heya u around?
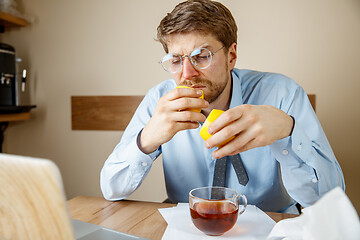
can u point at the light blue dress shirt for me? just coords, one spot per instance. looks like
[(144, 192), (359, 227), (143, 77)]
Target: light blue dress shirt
[(299, 168)]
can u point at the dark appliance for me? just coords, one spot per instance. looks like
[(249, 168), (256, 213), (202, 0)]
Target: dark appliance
[(7, 75), (14, 93)]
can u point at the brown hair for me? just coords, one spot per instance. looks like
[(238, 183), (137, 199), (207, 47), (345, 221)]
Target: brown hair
[(202, 16)]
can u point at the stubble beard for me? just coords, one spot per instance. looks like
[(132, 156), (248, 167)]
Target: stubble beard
[(212, 89), (216, 91)]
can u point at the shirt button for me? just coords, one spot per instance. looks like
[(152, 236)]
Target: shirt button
[(285, 152), (314, 180), (299, 147), (144, 164)]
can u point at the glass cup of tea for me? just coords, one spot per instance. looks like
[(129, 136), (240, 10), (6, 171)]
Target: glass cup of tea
[(214, 210)]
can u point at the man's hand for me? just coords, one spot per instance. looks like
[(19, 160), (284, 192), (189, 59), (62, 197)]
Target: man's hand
[(253, 126), (172, 115)]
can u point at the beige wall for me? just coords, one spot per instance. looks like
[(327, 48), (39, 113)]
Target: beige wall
[(107, 48)]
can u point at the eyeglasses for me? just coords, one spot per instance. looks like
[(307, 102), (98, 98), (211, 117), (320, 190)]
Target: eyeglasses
[(200, 58)]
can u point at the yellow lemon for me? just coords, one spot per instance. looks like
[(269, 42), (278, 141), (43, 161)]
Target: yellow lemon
[(214, 114), (202, 97)]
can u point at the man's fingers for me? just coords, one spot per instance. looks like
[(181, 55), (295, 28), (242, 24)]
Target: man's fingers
[(252, 144), (183, 92), (188, 116), (225, 119), (186, 125), (188, 103), (235, 146), (235, 128)]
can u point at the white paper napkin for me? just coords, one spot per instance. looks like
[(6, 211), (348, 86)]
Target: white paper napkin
[(332, 217), (252, 224)]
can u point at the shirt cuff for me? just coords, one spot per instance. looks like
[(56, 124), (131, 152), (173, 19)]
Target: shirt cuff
[(297, 144), (152, 155)]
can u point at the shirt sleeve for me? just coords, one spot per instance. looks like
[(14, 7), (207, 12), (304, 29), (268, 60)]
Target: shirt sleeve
[(127, 166), (308, 165)]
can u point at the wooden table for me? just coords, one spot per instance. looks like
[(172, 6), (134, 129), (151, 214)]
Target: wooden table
[(133, 217)]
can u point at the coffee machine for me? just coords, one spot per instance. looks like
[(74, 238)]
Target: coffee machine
[(14, 92)]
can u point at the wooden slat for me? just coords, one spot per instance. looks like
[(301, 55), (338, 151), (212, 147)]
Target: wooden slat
[(103, 112), (9, 117), (312, 98), (9, 20), (111, 112)]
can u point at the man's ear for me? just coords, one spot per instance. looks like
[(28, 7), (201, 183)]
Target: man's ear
[(232, 56)]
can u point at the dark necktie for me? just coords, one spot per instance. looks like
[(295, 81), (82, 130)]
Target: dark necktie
[(220, 170)]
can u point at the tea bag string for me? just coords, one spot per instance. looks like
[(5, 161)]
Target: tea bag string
[(220, 170)]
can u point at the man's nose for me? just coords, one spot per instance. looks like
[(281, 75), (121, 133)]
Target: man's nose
[(189, 70)]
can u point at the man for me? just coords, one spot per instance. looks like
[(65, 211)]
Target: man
[(282, 151)]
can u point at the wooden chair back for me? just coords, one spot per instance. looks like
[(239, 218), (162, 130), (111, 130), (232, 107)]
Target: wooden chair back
[(110, 112)]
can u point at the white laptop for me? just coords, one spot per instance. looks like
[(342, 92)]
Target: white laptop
[(33, 204)]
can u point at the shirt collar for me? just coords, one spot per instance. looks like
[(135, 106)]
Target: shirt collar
[(236, 95)]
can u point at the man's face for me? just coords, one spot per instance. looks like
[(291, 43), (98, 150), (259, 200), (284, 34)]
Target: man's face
[(214, 79)]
